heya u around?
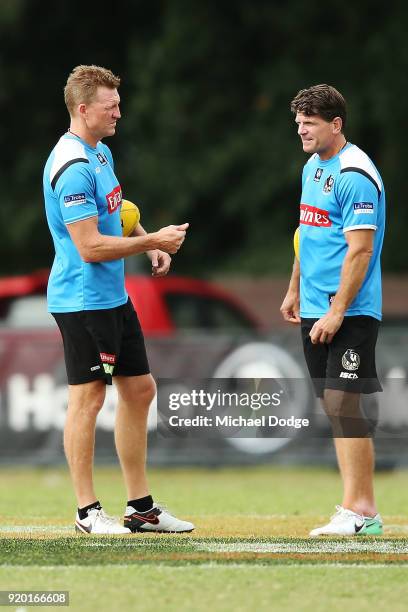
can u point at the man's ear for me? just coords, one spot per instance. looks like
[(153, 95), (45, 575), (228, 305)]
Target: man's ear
[(337, 125), (81, 110)]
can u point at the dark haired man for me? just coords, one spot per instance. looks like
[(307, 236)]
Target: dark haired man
[(335, 292)]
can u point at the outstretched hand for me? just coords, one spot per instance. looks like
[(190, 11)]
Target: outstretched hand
[(170, 238)]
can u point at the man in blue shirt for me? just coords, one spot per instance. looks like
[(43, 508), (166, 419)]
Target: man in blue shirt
[(86, 295), (335, 292)]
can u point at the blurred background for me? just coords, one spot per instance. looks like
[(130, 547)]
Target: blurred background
[(206, 136)]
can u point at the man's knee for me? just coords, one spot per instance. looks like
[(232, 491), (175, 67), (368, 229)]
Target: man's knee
[(88, 397), (138, 390), (147, 389), (346, 417)]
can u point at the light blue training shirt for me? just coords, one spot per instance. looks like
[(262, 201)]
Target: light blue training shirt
[(339, 195), (79, 182)]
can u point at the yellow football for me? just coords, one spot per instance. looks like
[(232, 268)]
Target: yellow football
[(296, 242), (129, 217)]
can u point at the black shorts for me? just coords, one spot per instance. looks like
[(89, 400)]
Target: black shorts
[(99, 344), (347, 363)]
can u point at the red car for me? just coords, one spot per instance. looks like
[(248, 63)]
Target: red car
[(164, 305)]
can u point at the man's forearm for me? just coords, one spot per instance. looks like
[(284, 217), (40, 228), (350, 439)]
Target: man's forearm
[(353, 272), (108, 248), (294, 283)]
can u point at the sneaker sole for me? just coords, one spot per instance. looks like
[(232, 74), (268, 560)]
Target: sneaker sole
[(369, 532), (83, 531), (140, 530)]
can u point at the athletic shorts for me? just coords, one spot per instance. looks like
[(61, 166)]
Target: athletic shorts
[(347, 363), (99, 344)]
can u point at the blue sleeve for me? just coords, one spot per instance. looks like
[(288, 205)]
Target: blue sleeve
[(75, 191), (358, 198)]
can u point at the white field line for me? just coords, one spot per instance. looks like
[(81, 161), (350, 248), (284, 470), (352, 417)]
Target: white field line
[(69, 529), (208, 566), (63, 529), (310, 547)]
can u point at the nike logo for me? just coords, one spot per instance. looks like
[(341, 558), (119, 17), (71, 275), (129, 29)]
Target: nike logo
[(83, 528), (359, 527), (146, 518)]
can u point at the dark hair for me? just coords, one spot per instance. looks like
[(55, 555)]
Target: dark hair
[(323, 100)]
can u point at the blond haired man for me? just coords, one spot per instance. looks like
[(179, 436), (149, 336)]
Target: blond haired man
[(87, 297)]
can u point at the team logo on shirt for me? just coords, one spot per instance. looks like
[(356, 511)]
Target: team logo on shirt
[(363, 208), (350, 360), (114, 199), (102, 159), (328, 184), (310, 215), (318, 175)]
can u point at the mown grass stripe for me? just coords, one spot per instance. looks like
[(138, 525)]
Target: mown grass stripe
[(310, 547), (212, 565)]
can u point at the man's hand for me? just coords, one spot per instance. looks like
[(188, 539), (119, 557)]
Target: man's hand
[(160, 262), (325, 328), (170, 238), (290, 308)]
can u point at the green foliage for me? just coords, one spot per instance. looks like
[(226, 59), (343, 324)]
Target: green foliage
[(206, 135)]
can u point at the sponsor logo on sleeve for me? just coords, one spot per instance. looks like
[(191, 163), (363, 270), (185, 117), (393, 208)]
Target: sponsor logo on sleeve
[(74, 200), (363, 208), (310, 215), (114, 199)]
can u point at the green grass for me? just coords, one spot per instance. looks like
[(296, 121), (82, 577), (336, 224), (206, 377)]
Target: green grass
[(219, 589), (307, 492), (250, 549)]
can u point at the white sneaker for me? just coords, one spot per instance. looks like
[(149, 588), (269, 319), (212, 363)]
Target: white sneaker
[(348, 523), (98, 522), (157, 519)]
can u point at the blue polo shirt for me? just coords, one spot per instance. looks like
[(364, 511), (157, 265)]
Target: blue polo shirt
[(339, 195), (79, 182)]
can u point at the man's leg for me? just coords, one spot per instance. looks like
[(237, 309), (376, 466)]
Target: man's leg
[(355, 455), (84, 403), (135, 396)]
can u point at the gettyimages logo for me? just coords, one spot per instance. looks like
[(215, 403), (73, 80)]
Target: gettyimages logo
[(350, 360), (310, 215)]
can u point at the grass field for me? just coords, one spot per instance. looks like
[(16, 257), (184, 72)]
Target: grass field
[(250, 549)]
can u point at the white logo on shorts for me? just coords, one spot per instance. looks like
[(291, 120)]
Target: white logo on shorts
[(350, 360), (97, 367), (351, 375)]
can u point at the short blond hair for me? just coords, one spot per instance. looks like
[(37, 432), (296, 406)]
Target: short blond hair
[(83, 83)]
